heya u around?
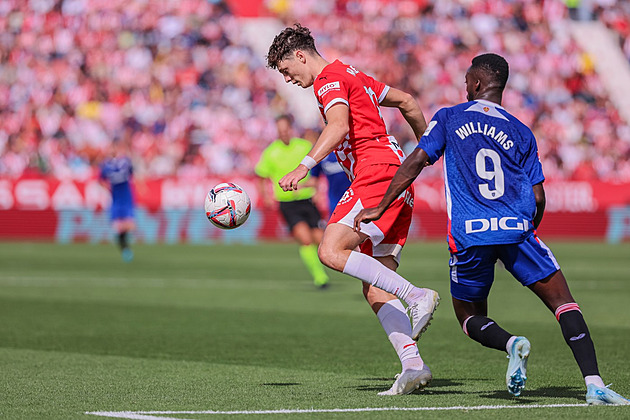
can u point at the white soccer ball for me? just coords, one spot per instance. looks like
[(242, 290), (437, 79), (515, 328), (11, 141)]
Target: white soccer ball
[(227, 206)]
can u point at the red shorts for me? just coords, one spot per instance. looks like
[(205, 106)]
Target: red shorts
[(387, 235)]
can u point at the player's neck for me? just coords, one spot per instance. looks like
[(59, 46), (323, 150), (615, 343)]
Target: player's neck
[(490, 96), (318, 65)]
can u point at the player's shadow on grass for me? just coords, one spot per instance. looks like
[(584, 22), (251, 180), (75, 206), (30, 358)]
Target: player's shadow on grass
[(545, 392), (436, 383), (280, 384)]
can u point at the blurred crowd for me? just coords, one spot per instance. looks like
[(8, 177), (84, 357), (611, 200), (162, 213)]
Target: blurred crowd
[(170, 79), (616, 15), (176, 82)]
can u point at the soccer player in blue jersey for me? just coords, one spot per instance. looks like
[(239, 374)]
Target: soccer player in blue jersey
[(116, 172), (338, 181), (495, 201)]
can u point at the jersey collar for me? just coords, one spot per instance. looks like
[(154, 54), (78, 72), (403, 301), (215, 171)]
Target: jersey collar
[(489, 103)]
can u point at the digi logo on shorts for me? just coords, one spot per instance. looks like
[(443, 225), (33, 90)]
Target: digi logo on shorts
[(327, 88), (494, 224)]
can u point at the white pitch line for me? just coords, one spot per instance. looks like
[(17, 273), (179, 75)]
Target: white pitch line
[(152, 415)]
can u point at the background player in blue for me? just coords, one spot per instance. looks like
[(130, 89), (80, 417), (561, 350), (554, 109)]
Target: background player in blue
[(495, 201), (116, 171), (338, 181)]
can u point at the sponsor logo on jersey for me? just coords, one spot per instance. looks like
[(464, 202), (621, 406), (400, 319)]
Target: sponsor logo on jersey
[(328, 87), (495, 224)]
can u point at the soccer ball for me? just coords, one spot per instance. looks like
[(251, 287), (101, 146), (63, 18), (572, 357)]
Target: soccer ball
[(227, 206)]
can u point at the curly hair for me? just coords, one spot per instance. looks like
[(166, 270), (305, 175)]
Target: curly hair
[(495, 66), (290, 39)]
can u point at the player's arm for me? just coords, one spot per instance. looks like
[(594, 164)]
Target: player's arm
[(539, 195), (408, 107), (102, 180), (405, 175), (332, 135)]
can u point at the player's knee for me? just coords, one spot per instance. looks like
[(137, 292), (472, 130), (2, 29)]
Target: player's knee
[(324, 254), (329, 257)]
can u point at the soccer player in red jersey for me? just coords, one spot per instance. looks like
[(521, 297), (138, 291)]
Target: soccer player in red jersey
[(349, 101)]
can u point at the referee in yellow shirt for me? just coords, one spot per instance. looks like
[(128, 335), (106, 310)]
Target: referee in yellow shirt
[(297, 207)]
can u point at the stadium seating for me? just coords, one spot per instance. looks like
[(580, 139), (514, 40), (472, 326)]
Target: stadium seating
[(178, 82)]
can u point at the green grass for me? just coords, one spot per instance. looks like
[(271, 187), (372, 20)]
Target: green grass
[(194, 328)]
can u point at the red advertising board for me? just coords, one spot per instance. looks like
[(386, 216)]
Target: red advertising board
[(171, 210)]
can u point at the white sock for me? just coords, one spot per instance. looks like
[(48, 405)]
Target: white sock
[(397, 326), (371, 271), (594, 379)]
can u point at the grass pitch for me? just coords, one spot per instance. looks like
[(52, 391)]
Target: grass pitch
[(195, 329)]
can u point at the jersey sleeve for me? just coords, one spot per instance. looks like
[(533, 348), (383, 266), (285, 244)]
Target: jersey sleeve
[(433, 141), (380, 89), (331, 89), (531, 161)]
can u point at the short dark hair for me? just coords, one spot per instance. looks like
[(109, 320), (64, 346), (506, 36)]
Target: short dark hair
[(287, 117), (290, 39), (495, 66)]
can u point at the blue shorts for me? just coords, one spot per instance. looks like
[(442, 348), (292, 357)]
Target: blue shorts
[(472, 269), (121, 212)]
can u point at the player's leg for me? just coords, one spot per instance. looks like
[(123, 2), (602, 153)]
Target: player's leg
[(337, 252), (298, 222), (123, 222), (317, 233), (313, 217), (554, 292), (123, 225), (533, 264), (301, 231), (472, 275), (393, 318), (122, 239), (340, 240)]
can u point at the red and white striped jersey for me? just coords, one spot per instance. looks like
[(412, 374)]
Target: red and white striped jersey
[(367, 142)]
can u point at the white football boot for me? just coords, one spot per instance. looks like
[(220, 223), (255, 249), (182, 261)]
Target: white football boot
[(516, 374), (409, 381), (421, 312)]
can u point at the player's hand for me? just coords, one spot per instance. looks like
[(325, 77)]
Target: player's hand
[(290, 181), (366, 216)]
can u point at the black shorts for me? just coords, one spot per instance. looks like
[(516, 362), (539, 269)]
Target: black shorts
[(298, 211)]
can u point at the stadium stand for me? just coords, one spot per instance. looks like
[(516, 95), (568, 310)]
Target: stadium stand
[(181, 84)]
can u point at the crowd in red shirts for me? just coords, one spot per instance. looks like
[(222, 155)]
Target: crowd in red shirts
[(177, 82)]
